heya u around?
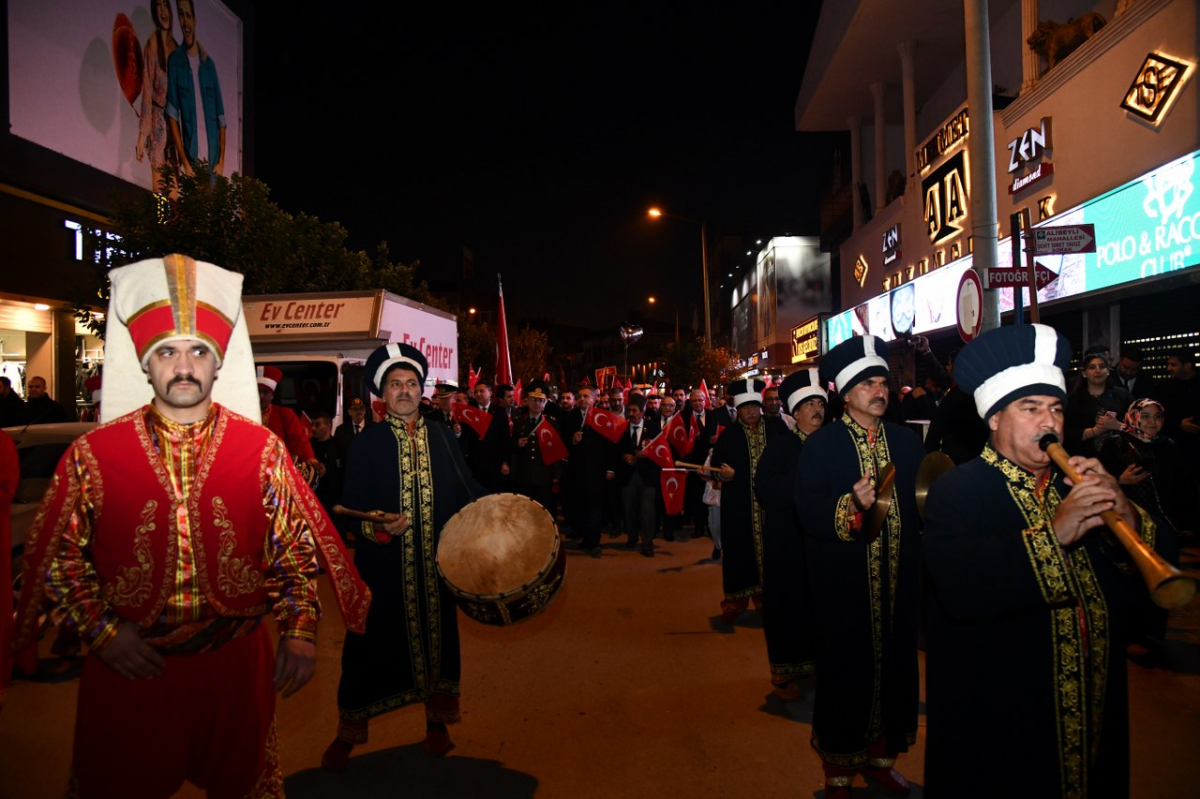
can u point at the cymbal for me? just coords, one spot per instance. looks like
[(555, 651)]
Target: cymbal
[(933, 466), (876, 515)]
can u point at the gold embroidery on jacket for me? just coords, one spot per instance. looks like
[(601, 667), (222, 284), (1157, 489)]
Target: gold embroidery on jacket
[(235, 576), (132, 583)]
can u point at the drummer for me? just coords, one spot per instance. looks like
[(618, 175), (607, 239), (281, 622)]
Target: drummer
[(410, 651), (864, 592)]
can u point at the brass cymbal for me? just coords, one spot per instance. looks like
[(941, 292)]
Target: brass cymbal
[(876, 515), (933, 466)]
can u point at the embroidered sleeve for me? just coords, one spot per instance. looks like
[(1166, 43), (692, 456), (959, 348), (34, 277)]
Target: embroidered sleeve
[(71, 579), (291, 553), (1048, 562), (847, 518)]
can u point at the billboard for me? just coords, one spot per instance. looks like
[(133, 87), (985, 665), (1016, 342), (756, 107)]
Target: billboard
[(124, 86)]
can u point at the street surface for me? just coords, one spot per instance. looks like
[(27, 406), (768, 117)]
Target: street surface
[(628, 686)]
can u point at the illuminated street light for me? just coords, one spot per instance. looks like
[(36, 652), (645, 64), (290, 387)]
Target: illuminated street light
[(656, 213), (651, 300), (471, 310)]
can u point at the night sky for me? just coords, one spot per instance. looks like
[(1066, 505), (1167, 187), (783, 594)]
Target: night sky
[(538, 136)]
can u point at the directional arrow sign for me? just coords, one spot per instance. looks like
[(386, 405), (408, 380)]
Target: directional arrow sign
[(1064, 239), (1003, 277)]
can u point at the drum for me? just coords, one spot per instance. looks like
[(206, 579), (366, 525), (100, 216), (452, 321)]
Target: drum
[(501, 558)]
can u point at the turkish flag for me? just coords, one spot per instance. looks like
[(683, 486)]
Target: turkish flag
[(477, 419), (659, 451), (517, 394), (549, 442), (606, 423), (380, 409), (472, 377), (673, 482), (679, 436), (720, 429), (704, 388)]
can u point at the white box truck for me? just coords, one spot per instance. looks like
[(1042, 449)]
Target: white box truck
[(321, 340)]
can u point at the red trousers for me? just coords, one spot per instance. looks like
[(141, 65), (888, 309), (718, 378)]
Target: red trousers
[(207, 718)]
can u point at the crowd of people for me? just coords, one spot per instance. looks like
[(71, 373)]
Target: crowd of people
[(169, 532)]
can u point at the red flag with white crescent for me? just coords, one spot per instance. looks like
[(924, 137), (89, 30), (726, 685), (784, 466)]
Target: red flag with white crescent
[(720, 429), (472, 376), (504, 376), (707, 402), (380, 409), (477, 419), (659, 451), (549, 442), (517, 395), (606, 423), (678, 435), (694, 430), (673, 482)]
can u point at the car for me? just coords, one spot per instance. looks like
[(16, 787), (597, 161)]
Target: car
[(39, 448)]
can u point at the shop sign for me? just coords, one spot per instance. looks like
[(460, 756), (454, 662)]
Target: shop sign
[(806, 340), (891, 244), (860, 271), (950, 134), (946, 199), (1029, 146), (1037, 175), (1154, 86)]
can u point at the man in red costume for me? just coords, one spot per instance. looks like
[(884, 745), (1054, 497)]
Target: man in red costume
[(166, 535), (284, 422)]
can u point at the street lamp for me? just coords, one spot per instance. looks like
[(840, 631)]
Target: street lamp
[(656, 213)]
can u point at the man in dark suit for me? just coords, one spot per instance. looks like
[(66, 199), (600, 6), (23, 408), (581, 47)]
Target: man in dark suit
[(589, 469), (707, 423), (1128, 375), (487, 456), (639, 477)]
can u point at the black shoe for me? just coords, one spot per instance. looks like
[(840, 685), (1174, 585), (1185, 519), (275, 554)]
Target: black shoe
[(594, 552), (648, 550), (669, 536), (631, 543), (716, 553)]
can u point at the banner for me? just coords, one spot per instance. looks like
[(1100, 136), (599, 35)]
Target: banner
[(549, 442), (659, 451), (606, 423), (477, 419), (673, 482)]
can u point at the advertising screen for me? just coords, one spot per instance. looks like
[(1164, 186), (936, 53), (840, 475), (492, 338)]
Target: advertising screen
[(102, 81)]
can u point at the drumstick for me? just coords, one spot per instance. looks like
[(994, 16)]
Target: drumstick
[(366, 516), (699, 467)]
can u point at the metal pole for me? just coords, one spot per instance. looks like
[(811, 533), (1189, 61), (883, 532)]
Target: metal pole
[(982, 150), (707, 304)]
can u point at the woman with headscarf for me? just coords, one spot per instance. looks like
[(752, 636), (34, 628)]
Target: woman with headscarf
[(1154, 473), (1094, 409)]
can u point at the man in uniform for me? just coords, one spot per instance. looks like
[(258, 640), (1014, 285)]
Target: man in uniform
[(736, 456), (531, 476), (411, 474), (863, 578), (787, 610), (165, 536), (1026, 660)]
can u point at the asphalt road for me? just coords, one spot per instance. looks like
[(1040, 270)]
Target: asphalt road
[(628, 686)]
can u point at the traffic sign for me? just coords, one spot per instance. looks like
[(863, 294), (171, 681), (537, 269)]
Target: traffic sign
[(969, 306), (1002, 277), (1064, 239)]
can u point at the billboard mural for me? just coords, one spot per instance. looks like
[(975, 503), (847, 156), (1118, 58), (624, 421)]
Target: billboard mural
[(126, 87)]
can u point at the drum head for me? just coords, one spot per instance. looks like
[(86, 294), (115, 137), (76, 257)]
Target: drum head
[(496, 545)]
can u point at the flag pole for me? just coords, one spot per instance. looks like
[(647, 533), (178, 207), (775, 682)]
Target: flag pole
[(503, 359)]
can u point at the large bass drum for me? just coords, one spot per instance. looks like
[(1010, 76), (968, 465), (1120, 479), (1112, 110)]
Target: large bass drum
[(502, 559)]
